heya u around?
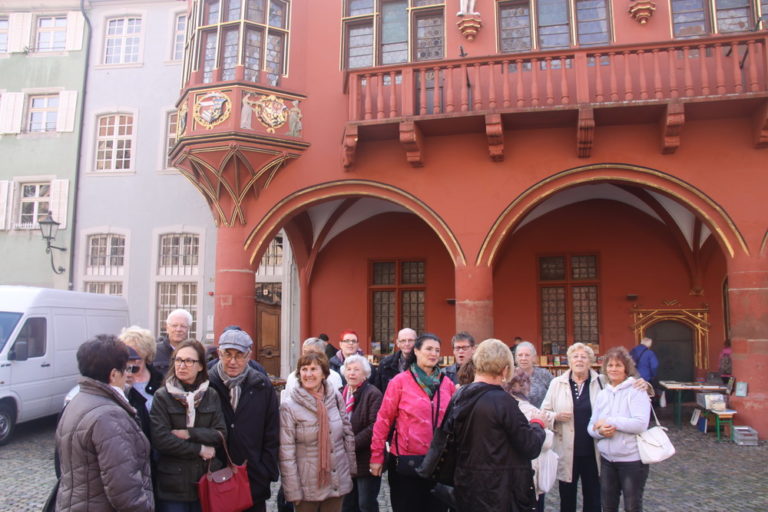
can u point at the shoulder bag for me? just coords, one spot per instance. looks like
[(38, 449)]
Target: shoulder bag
[(654, 444), (407, 465), (225, 490)]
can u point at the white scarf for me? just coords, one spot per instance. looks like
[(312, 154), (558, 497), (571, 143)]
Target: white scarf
[(190, 399)]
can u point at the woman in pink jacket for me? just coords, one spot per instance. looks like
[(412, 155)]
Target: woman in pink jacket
[(412, 408)]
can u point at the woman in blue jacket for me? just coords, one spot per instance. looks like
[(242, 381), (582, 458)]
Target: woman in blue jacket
[(621, 411)]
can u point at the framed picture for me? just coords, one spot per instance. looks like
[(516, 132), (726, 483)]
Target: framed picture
[(741, 389)]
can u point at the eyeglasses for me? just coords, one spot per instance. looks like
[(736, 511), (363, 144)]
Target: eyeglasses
[(132, 369), (178, 326), (462, 349), (237, 357), (407, 340), (349, 341), (186, 362)]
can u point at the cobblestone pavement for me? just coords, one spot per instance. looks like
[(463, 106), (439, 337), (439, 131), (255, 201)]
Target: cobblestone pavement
[(704, 475)]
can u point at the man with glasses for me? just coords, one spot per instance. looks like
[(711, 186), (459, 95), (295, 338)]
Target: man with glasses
[(463, 348), (395, 363), (177, 330), (251, 412)]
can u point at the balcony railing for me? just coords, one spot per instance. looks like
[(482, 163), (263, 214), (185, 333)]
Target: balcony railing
[(716, 67)]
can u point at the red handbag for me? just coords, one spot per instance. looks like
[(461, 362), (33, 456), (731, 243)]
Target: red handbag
[(225, 490)]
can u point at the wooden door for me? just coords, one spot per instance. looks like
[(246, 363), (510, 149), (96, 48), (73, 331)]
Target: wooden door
[(268, 336), (673, 345)]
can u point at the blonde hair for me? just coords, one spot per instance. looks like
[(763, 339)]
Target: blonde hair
[(141, 340), (580, 346), (491, 357)]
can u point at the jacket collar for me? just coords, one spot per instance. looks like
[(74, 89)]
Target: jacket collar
[(95, 387)]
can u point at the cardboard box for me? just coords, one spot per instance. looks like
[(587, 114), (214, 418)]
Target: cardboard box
[(712, 401)]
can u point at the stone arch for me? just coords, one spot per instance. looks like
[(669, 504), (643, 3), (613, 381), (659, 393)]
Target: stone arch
[(711, 213), (302, 199)]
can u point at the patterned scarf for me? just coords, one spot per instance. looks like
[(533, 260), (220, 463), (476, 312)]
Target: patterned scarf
[(429, 383), (190, 399), (323, 438), (233, 383), (349, 399)]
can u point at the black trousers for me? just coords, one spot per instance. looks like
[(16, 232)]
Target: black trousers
[(623, 478), (584, 467), (411, 494)]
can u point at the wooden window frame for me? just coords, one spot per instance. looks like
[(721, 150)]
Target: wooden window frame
[(756, 9), (397, 288), (374, 19), (568, 283), (533, 21)]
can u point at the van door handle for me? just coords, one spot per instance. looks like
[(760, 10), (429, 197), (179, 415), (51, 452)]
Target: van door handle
[(45, 365)]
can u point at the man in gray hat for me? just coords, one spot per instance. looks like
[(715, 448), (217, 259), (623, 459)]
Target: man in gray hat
[(251, 411)]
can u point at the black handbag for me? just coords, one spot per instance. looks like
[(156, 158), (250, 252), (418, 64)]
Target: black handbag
[(407, 465), (440, 461)]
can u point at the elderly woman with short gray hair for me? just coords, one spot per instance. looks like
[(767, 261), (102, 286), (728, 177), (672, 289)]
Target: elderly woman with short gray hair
[(525, 359), (362, 401)]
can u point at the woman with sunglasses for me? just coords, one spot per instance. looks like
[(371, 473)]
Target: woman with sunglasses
[(187, 426), (142, 379)]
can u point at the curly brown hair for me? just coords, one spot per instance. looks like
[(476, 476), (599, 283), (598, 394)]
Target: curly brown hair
[(619, 354)]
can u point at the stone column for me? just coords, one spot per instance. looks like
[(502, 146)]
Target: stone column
[(474, 301), (748, 311), (235, 282)]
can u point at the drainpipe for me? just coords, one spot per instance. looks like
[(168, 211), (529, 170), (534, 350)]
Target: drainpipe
[(76, 181)]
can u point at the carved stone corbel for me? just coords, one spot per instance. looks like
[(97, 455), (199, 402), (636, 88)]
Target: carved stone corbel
[(671, 126), (349, 145), (494, 130), (412, 141), (585, 132), (761, 126)]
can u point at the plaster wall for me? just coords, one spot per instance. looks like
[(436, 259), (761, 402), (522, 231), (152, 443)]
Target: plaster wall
[(149, 199)]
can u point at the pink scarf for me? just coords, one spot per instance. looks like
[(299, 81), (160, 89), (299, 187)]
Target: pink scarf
[(323, 439)]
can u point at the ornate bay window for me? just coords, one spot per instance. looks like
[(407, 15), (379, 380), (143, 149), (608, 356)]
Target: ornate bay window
[(381, 32), (252, 34)]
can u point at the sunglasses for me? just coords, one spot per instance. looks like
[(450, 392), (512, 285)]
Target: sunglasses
[(132, 369)]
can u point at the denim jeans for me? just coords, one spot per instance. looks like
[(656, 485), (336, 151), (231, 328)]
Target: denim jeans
[(364, 495), (627, 478)]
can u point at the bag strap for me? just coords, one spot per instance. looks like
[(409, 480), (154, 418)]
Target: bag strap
[(226, 450), (655, 418)]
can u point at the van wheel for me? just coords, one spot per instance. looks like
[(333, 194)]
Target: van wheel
[(7, 422)]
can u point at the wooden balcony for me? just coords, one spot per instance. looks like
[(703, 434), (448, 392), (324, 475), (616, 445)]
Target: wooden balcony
[(709, 77)]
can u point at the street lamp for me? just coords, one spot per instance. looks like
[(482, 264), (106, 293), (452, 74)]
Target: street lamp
[(49, 228)]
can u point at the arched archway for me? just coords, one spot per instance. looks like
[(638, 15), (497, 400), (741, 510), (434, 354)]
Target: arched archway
[(302, 199), (705, 208)]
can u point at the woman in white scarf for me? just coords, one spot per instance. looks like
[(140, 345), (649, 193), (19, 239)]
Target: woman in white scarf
[(187, 426)]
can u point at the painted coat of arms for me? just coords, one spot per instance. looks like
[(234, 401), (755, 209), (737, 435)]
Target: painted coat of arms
[(212, 109), (181, 124), (271, 112)]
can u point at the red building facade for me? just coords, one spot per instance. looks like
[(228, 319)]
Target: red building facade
[(559, 170)]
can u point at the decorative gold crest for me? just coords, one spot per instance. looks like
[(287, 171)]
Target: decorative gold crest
[(212, 109), (271, 112), (181, 119)]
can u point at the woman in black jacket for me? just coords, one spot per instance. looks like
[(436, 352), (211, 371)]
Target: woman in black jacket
[(362, 401), (495, 441), (187, 426)]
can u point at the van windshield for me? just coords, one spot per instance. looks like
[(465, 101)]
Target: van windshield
[(8, 322)]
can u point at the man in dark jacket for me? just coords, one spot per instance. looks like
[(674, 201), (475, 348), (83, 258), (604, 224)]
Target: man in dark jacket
[(395, 363), (104, 454), (251, 411), (463, 347), (177, 328)]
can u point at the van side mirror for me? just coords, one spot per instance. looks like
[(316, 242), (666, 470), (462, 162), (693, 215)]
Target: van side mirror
[(19, 352)]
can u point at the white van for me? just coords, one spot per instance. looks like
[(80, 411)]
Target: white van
[(40, 332)]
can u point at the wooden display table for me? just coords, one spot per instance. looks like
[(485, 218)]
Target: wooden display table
[(679, 387)]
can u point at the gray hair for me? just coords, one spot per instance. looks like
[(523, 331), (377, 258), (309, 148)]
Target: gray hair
[(529, 346), (407, 329), (314, 342), (646, 341), (180, 312), (356, 359)]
